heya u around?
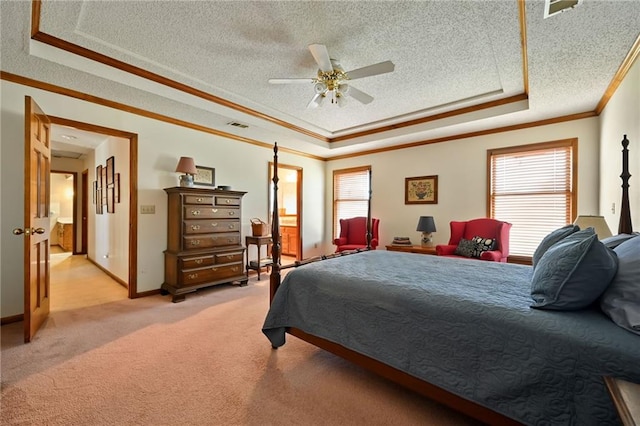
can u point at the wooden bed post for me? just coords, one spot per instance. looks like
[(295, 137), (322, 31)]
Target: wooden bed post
[(625, 211), (274, 278), (369, 218)]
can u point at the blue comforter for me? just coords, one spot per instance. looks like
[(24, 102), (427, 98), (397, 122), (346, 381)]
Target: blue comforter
[(465, 326)]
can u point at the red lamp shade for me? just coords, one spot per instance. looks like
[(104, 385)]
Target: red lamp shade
[(186, 165)]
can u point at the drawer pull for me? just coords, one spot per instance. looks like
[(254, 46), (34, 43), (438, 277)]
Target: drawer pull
[(195, 242), (199, 200), (198, 261), (232, 226), (214, 269), (229, 240), (234, 269), (196, 212), (214, 210), (231, 213), (214, 224), (195, 227), (228, 201), (193, 276), (229, 256)]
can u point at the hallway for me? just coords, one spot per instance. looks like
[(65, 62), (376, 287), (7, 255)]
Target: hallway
[(77, 283)]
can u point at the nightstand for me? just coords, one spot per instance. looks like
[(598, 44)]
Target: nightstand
[(626, 398), (413, 249)]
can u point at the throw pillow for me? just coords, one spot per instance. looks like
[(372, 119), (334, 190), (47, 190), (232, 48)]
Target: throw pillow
[(573, 273), (481, 244), (621, 300), (615, 240), (550, 240), (465, 248)]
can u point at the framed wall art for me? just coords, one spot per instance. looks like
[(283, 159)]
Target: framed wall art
[(421, 190), (205, 176)]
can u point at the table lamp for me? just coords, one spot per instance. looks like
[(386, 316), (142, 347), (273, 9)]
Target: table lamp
[(426, 225), (596, 222), (187, 166)]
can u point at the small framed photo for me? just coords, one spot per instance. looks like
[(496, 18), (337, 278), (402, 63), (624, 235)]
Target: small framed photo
[(421, 190), (205, 176), (110, 170)]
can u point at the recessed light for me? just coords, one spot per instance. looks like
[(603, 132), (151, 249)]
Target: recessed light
[(68, 137)]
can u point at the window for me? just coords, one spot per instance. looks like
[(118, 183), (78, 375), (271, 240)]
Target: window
[(351, 193), (534, 188)]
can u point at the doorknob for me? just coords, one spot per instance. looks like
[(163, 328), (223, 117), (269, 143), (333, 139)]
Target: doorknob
[(20, 231)]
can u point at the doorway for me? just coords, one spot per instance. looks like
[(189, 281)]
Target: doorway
[(289, 210), (80, 277)]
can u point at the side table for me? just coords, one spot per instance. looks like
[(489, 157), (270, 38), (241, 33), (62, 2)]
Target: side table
[(626, 398), (413, 249), (257, 264)]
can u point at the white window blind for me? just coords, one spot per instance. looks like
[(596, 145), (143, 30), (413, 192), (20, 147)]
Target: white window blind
[(532, 187), (350, 194)]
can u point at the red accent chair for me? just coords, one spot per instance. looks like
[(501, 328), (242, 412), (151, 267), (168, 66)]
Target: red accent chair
[(483, 227), (353, 234)]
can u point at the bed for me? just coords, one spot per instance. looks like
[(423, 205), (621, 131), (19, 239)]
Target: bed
[(459, 331)]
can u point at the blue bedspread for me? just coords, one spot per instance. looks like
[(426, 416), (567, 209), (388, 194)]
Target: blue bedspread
[(465, 326)]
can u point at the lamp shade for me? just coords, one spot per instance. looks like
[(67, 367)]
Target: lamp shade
[(426, 224), (596, 222), (186, 165)]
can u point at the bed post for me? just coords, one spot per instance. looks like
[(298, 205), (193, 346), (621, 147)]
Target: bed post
[(369, 219), (274, 278), (625, 211)]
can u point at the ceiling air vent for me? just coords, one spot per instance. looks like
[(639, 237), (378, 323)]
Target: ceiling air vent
[(239, 125), (553, 7)]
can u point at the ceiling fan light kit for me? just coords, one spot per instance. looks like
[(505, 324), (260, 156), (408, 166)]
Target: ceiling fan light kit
[(331, 78)]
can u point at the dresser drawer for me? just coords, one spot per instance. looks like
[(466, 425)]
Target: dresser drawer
[(207, 226), (227, 201), (202, 212), (191, 242), (230, 257), (214, 273), (198, 199), (196, 261)]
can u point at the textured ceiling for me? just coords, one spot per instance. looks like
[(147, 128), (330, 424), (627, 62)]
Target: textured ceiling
[(447, 55)]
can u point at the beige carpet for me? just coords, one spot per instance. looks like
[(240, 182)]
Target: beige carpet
[(204, 361)]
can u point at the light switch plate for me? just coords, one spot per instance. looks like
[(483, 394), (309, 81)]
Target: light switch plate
[(149, 209)]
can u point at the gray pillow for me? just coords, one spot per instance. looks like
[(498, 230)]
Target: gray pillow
[(573, 273), (551, 239), (621, 300), (465, 248), (615, 240)]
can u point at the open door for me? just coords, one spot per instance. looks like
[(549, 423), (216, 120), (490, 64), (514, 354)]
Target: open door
[(37, 164)]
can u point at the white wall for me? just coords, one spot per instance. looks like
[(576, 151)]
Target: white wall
[(461, 167), (621, 116), (241, 165)]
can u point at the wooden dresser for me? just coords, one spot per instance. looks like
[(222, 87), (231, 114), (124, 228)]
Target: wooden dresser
[(204, 242), (289, 240)]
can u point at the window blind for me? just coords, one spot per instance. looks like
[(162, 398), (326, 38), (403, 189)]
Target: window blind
[(350, 194), (532, 187)]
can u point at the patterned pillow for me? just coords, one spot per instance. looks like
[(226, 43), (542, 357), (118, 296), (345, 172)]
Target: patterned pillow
[(465, 248), (481, 244)]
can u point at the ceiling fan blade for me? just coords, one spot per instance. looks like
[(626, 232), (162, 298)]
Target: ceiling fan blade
[(320, 54), (291, 80), (375, 69), (315, 101), (359, 95)]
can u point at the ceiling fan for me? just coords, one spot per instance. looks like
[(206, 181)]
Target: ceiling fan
[(332, 79)]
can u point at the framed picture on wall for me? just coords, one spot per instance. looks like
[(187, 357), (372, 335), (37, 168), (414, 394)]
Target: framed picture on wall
[(116, 187), (421, 190), (110, 170)]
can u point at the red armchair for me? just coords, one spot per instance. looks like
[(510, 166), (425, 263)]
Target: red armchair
[(353, 234), (485, 228)]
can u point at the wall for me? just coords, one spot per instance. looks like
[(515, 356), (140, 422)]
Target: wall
[(621, 116), (160, 145), (108, 236), (461, 168)]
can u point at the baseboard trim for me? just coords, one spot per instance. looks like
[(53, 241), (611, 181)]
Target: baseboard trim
[(11, 319)]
